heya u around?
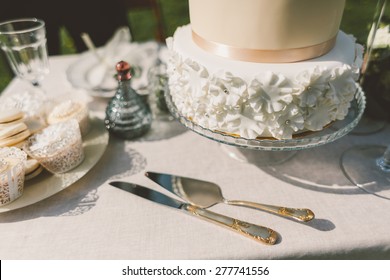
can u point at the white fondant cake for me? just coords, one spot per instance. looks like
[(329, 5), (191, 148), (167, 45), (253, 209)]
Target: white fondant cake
[(254, 100)]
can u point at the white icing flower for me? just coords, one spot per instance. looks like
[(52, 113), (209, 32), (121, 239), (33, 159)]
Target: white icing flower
[(313, 84), (236, 85), (226, 83), (342, 85), (319, 116), (249, 124), (270, 92), (286, 124), (189, 81), (228, 99), (169, 43), (227, 94), (342, 110), (250, 129), (335, 91), (194, 78), (174, 60)]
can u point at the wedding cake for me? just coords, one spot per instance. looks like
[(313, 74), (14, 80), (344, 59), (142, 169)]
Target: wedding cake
[(261, 68)]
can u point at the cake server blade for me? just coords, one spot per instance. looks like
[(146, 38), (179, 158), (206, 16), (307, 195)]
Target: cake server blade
[(256, 232), (205, 194)]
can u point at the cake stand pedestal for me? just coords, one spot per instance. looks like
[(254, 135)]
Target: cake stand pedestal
[(274, 151), (258, 157)]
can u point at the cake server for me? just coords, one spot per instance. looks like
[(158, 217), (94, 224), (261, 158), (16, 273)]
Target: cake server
[(206, 194), (258, 233)]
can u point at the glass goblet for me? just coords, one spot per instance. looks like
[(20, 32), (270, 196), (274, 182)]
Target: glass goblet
[(369, 32), (368, 167), (24, 44)]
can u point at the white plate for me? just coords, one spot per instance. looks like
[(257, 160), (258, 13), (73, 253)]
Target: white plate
[(98, 78), (47, 184)]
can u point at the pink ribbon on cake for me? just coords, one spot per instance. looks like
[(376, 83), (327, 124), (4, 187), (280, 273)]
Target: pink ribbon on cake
[(265, 56)]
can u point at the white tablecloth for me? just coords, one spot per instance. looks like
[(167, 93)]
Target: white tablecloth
[(92, 220)]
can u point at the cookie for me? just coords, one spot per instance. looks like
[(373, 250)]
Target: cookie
[(34, 173), (32, 168), (7, 124), (19, 145), (12, 130), (10, 141), (10, 115)]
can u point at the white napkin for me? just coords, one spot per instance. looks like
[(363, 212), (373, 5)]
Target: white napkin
[(141, 56)]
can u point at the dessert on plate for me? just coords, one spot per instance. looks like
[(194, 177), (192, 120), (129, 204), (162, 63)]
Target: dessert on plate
[(12, 168), (58, 147), (13, 129), (70, 109)]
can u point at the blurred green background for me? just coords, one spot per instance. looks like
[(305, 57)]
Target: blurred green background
[(357, 20)]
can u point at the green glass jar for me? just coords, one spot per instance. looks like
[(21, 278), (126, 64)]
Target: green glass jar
[(128, 116)]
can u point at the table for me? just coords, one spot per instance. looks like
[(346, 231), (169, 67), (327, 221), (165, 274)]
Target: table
[(92, 220)]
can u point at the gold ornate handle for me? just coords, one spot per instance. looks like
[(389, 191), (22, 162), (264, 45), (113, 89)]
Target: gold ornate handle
[(255, 232), (299, 214)]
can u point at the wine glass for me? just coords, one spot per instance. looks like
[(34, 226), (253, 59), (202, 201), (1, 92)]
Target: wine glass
[(24, 43), (375, 116), (368, 166)]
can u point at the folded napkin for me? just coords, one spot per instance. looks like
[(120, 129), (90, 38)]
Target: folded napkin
[(141, 56)]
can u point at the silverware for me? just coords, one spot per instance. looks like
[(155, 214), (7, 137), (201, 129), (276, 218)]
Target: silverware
[(255, 232), (91, 46), (206, 194)]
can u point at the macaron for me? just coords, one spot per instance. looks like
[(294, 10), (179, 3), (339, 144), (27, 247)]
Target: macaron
[(12, 129), (10, 116), (20, 144), (7, 124), (15, 139), (32, 168)]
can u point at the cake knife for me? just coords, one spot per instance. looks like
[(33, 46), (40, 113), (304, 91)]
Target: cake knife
[(256, 232)]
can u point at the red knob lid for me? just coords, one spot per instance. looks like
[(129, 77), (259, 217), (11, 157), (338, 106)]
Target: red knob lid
[(123, 69)]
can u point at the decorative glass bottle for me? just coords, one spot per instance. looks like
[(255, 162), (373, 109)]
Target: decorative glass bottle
[(127, 115)]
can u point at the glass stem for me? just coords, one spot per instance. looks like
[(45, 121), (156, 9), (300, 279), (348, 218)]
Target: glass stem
[(384, 161), (380, 10)]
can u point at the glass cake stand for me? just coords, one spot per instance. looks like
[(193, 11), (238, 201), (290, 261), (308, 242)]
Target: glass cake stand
[(274, 151)]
